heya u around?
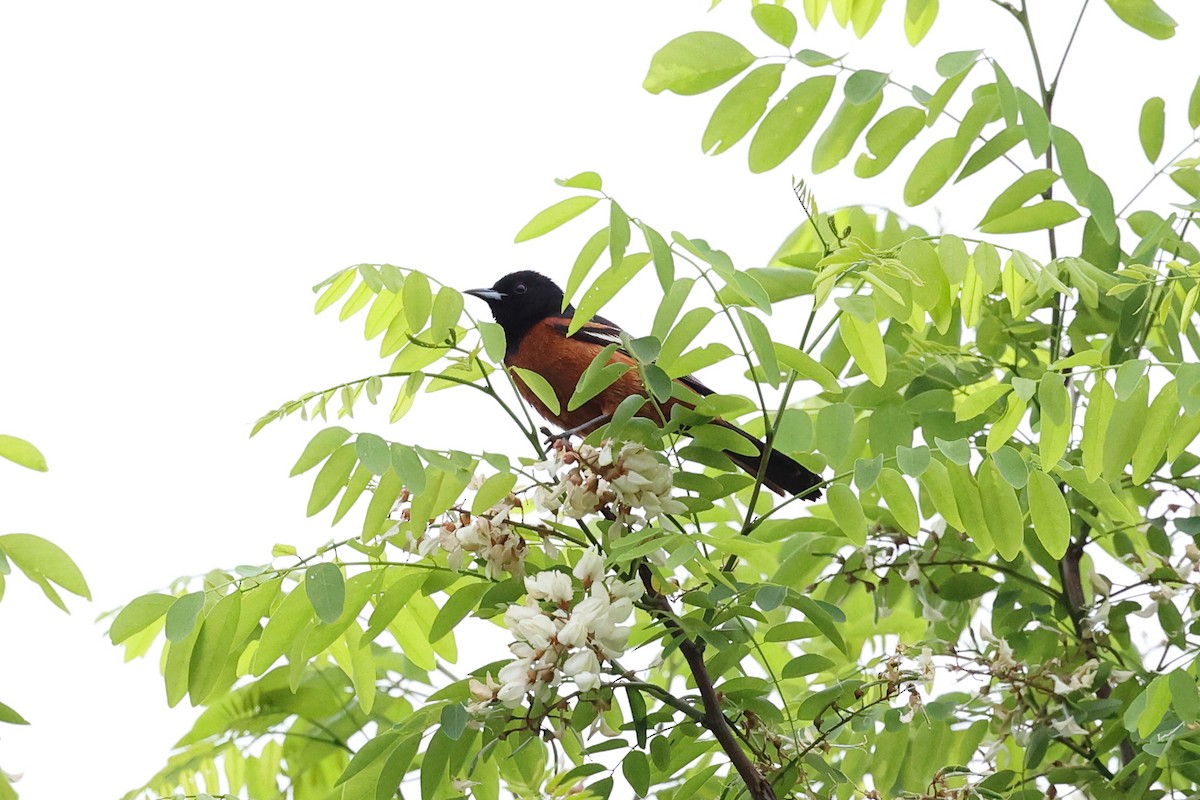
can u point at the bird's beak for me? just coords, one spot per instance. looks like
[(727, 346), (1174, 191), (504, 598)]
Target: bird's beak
[(487, 295)]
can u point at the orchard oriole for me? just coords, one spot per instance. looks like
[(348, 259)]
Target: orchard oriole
[(528, 306)]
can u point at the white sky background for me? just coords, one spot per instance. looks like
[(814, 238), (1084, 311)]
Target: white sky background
[(173, 179)]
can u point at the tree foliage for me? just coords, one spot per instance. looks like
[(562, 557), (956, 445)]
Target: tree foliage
[(997, 595), (41, 561)]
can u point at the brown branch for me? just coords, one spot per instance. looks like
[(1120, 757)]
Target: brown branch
[(714, 719), (1072, 581)]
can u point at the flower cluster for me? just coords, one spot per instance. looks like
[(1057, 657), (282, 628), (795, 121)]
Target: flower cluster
[(589, 478), (487, 536), (560, 638)]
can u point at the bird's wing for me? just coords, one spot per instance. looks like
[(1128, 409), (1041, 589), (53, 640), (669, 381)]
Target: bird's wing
[(603, 332)]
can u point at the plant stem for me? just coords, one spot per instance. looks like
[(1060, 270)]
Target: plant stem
[(713, 719)]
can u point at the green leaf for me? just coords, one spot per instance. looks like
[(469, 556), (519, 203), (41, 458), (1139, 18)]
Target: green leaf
[(913, 460), (742, 107), (1002, 429), (818, 613), (965, 492), (1039, 216), (418, 300), (1125, 430), (963, 586), (1049, 513), (493, 340), (887, 137), (637, 710), (337, 287), (1055, 402), (787, 124), (760, 341), (848, 513), (9, 714), (1022, 189), (1129, 375), (21, 452), (1087, 187), (865, 86), (936, 482), (1193, 111), (1012, 467), (213, 648), (952, 64), (454, 720), (1185, 699), (459, 604), (332, 478), (807, 367), (584, 180), (636, 769), (1001, 511), (326, 590), (658, 382), (1150, 127), (618, 233), (373, 452), (493, 490), (605, 287), (664, 260), (139, 614), (1101, 402), (865, 343), (540, 387), (286, 623), (844, 129), (1156, 429), (918, 19), (807, 664), (696, 62), (776, 22), (813, 58), (181, 616), (44, 562), (895, 492), (958, 451), (980, 401), (1187, 376), (1034, 123), (932, 170), (558, 214), (1145, 16), (866, 471)]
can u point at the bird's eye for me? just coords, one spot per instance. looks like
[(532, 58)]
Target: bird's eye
[(519, 289)]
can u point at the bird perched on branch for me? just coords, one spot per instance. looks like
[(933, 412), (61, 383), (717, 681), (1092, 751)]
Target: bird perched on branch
[(528, 306)]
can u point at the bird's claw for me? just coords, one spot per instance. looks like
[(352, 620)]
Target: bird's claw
[(551, 438)]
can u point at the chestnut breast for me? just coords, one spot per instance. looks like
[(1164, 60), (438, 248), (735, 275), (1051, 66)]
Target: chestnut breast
[(565, 372)]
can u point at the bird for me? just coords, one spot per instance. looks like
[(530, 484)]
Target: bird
[(529, 307)]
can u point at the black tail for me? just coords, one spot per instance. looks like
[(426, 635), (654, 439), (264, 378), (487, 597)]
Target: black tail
[(784, 474)]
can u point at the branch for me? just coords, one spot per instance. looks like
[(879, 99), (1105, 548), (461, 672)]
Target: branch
[(713, 718)]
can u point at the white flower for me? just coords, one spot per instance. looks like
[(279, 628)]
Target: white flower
[(584, 668), (631, 589), (537, 631), (914, 705), (611, 638), (1067, 726), (590, 568), (516, 614), (925, 665), (574, 633), (550, 585)]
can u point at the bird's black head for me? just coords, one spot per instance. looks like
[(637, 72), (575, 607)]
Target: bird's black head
[(520, 300)]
